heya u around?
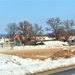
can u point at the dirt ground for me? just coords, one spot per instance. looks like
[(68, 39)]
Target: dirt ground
[(34, 54), (37, 54)]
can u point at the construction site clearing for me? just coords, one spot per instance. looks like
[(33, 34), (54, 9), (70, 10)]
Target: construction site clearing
[(50, 51), (44, 55)]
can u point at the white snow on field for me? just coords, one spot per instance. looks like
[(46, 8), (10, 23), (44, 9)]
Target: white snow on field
[(48, 44), (56, 44), (13, 65)]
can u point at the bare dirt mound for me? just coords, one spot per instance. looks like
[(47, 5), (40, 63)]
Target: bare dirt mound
[(67, 53), (73, 51)]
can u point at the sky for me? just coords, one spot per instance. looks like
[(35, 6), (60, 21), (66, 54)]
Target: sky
[(34, 11)]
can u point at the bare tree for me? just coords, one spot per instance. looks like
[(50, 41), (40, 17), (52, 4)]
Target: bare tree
[(72, 32), (62, 34), (68, 24), (37, 30), (61, 31), (54, 24), (25, 30), (11, 29)]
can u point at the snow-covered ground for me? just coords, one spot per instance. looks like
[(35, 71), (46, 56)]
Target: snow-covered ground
[(13, 65), (52, 44), (48, 44)]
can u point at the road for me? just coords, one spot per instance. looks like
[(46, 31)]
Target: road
[(67, 72)]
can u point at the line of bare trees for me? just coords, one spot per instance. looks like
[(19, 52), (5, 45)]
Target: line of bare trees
[(59, 28), (25, 30)]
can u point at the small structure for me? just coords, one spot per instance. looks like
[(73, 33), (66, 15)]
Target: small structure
[(71, 40), (4, 41)]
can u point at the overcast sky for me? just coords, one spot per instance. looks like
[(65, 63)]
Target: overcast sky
[(34, 11)]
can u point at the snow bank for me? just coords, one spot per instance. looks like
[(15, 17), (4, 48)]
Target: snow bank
[(56, 43), (13, 65)]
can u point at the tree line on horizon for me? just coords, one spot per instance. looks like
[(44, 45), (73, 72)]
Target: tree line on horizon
[(59, 28)]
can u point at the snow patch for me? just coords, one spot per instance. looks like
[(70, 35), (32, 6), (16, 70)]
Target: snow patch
[(13, 65)]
